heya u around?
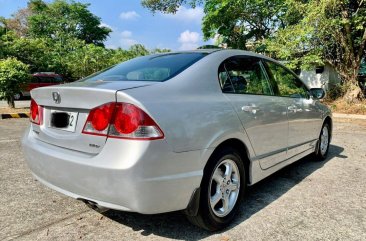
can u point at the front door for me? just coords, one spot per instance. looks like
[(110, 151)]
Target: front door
[(303, 114)]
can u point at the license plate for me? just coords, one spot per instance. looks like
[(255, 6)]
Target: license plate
[(63, 120)]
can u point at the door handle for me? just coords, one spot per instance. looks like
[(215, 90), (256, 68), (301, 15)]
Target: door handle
[(250, 108), (293, 108)]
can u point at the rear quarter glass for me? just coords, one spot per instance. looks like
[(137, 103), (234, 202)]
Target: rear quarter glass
[(157, 68)]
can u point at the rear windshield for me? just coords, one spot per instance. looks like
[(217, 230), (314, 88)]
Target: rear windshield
[(148, 68)]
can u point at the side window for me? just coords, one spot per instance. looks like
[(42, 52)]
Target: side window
[(34, 79), (288, 84), (44, 80), (243, 75), (57, 79)]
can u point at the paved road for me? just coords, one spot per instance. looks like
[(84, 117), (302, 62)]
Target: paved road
[(306, 201), (18, 104)]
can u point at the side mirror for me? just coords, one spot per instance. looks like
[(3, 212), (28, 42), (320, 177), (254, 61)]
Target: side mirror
[(317, 93)]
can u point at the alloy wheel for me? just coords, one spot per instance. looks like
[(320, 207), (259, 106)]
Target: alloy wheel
[(324, 140), (224, 188)]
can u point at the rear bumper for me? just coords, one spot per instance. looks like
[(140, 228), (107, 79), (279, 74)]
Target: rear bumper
[(139, 176)]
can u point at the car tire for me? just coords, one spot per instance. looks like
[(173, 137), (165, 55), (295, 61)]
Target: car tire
[(322, 147), (222, 188), (18, 96)]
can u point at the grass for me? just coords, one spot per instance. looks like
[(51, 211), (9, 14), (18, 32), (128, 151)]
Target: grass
[(341, 106)]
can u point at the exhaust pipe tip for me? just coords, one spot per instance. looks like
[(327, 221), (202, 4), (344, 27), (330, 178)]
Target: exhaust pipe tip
[(93, 205)]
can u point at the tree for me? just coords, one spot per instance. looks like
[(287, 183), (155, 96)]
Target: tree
[(90, 59), (138, 50), (159, 51), (58, 20), (242, 24), (332, 32), (13, 74), (304, 33), (63, 37), (2, 38), (19, 22), (168, 6), (34, 52)]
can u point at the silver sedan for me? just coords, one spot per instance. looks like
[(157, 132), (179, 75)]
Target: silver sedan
[(175, 131)]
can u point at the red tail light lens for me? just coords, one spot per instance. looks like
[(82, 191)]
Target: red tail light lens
[(122, 120), (99, 119), (36, 113)]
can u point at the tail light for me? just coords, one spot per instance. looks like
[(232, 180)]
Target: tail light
[(36, 113), (122, 120)]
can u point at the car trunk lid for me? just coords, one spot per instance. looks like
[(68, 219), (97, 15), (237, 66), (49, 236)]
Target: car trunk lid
[(74, 102)]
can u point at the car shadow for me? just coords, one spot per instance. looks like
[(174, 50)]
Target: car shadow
[(174, 225)]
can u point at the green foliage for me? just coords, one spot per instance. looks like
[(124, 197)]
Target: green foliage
[(304, 33), (138, 50), (168, 6), (159, 51), (330, 31), (34, 52), (336, 91), (362, 70), (62, 20), (13, 74), (62, 37), (243, 24)]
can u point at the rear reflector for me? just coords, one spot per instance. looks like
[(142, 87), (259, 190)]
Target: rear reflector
[(36, 113), (122, 120)]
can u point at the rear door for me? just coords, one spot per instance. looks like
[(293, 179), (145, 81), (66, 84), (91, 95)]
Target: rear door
[(264, 116)]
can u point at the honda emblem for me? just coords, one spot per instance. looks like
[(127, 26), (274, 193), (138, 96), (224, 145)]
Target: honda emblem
[(56, 97)]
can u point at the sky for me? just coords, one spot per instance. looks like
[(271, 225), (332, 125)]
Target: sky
[(131, 24)]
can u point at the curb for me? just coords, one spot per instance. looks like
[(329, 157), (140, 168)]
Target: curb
[(14, 115)]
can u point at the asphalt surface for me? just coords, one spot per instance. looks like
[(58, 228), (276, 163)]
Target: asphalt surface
[(306, 201)]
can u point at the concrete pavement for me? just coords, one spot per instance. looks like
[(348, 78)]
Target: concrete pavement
[(18, 104)]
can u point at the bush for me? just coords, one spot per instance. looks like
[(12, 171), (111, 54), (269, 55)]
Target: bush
[(336, 91), (13, 74)]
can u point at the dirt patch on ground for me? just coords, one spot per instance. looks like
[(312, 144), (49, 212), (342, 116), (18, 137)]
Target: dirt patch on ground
[(341, 106), (351, 121), (7, 110)]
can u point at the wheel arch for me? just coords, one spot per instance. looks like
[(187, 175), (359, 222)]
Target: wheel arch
[(329, 121), (243, 150)]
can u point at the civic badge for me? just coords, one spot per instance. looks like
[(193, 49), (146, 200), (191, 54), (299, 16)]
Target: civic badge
[(56, 97)]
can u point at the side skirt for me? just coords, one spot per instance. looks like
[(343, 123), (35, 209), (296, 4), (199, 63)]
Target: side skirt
[(257, 173)]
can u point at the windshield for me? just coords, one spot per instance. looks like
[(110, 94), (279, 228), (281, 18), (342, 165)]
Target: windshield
[(148, 68)]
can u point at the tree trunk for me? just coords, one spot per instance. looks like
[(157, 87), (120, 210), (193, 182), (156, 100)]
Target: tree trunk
[(11, 102), (354, 93)]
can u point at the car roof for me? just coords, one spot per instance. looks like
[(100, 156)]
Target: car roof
[(46, 75), (232, 51)]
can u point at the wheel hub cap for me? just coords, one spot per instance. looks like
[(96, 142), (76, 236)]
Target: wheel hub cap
[(224, 188), (324, 140)]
